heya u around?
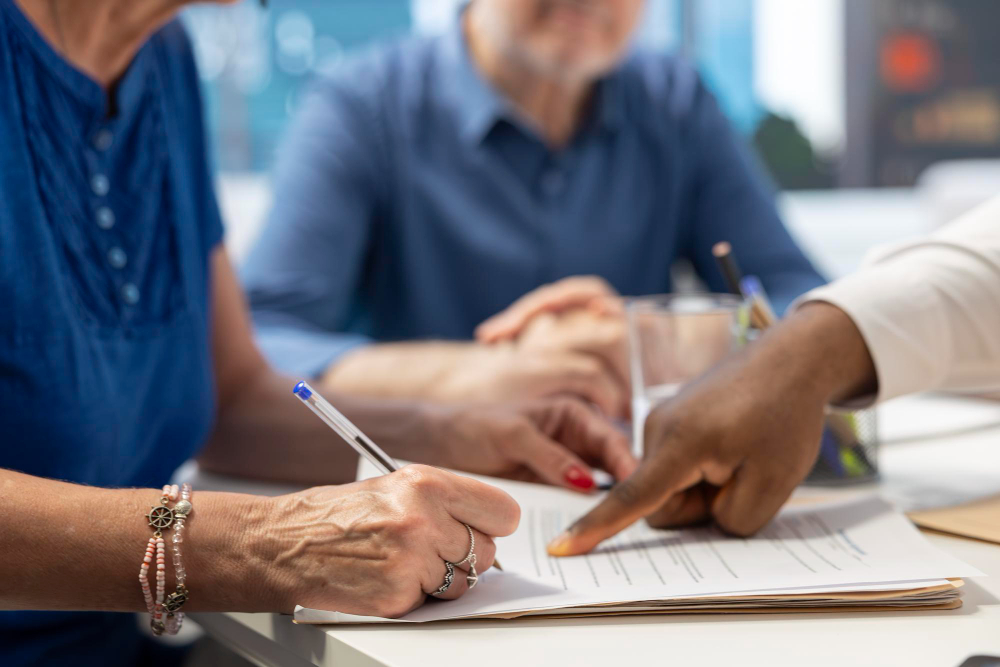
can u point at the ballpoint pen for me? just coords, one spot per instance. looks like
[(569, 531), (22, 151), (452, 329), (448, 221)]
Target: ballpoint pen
[(754, 292), (350, 433), (343, 427)]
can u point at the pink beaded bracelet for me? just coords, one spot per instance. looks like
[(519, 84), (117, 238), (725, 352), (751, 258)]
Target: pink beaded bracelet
[(162, 517), (176, 600)]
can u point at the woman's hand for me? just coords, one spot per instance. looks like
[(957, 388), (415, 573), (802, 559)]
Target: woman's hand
[(377, 547), (553, 440)]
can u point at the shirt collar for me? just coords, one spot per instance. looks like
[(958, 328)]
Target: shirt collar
[(479, 106)]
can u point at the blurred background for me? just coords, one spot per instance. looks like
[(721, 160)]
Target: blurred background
[(876, 119)]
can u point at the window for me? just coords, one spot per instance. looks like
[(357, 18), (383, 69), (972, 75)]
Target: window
[(254, 62)]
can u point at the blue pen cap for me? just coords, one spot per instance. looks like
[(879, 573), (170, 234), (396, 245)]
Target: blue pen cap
[(751, 286), (302, 391)]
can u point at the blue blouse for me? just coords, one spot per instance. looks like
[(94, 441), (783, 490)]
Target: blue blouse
[(107, 223)]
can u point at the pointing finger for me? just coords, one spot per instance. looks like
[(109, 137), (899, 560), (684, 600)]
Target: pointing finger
[(655, 481)]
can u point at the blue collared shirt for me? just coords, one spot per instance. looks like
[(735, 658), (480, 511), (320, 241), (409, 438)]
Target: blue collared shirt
[(413, 201)]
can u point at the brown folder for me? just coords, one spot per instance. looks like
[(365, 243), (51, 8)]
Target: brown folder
[(979, 520)]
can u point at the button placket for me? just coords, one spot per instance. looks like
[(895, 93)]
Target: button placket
[(105, 217), (555, 173), (553, 181), (100, 141)]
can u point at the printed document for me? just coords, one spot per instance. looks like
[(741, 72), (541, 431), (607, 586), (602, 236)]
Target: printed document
[(814, 551)]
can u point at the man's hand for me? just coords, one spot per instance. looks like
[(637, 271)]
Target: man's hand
[(581, 315), (470, 372), (600, 336), (556, 441), (526, 352), (589, 292), (733, 445)]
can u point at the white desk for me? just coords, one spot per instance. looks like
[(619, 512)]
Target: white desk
[(947, 467)]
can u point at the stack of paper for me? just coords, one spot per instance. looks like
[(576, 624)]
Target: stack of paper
[(848, 556)]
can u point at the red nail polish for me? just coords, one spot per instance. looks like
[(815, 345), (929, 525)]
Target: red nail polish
[(579, 478)]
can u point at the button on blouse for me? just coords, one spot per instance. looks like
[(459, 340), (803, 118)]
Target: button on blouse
[(117, 258), (102, 140), (105, 218)]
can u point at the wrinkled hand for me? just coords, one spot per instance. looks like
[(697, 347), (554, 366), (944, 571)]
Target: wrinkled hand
[(556, 441), (733, 445), (377, 547)]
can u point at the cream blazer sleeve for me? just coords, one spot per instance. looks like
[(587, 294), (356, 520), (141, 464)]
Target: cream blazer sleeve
[(929, 310)]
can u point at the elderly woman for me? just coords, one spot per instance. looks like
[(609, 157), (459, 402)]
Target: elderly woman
[(125, 349)]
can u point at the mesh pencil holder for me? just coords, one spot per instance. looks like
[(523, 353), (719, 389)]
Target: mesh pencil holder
[(848, 452)]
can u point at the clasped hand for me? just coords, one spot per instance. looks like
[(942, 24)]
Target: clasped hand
[(567, 338)]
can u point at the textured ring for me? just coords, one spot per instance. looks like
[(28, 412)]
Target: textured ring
[(449, 576)]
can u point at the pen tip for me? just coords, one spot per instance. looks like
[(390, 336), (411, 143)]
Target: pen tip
[(721, 249)]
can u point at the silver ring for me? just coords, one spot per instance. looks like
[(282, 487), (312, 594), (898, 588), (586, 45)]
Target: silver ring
[(472, 577), (449, 576)]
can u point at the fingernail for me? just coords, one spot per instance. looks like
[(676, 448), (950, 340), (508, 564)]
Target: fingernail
[(559, 546), (579, 478)]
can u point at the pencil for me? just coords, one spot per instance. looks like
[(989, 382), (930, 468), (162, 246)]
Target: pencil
[(723, 253), (727, 264)]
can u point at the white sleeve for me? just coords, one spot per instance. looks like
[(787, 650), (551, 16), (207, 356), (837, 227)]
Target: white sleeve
[(929, 310)]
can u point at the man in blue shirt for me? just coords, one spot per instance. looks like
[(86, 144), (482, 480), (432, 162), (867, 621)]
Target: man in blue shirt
[(427, 185)]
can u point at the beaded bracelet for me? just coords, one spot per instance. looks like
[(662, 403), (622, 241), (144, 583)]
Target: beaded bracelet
[(176, 600), (162, 517)]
